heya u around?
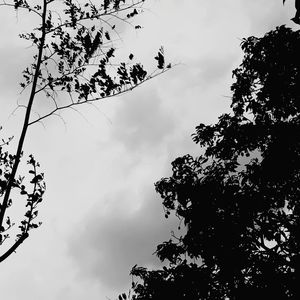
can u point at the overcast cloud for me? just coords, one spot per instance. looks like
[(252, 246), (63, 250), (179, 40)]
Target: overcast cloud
[(101, 214)]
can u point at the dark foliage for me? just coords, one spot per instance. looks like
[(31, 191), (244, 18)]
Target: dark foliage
[(239, 201)]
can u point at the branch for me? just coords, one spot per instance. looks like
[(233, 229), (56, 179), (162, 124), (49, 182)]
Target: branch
[(14, 247), (26, 119), (71, 105), (111, 12), (22, 6)]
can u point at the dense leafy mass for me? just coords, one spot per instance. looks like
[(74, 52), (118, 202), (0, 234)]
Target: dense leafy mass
[(239, 201)]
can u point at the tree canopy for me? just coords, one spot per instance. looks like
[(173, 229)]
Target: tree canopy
[(239, 201)]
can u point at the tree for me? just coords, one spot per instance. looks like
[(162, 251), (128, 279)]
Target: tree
[(239, 201), (74, 64)]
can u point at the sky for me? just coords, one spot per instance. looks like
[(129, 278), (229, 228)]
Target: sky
[(100, 213)]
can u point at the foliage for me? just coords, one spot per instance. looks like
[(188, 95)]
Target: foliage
[(74, 63), (78, 46), (34, 196), (239, 201)]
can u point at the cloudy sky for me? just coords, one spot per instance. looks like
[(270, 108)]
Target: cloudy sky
[(101, 214)]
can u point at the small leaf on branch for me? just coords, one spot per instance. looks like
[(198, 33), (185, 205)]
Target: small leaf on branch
[(160, 58)]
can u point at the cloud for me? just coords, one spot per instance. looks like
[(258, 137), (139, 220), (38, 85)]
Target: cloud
[(214, 69), (118, 235), (264, 15), (141, 122)]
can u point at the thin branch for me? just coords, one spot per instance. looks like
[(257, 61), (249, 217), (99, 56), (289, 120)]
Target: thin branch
[(26, 119), (95, 99), (14, 247), (22, 6), (101, 112), (111, 12)]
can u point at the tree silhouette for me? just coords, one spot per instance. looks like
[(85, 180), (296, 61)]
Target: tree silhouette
[(239, 201), (74, 64)]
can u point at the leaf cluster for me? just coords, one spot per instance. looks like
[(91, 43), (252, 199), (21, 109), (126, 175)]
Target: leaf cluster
[(33, 191), (77, 46)]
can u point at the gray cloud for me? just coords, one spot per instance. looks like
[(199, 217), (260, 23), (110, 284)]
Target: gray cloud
[(214, 69), (13, 61), (141, 122), (117, 236), (264, 15)]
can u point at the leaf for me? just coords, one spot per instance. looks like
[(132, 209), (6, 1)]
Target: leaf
[(107, 35), (160, 58), (36, 179)]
